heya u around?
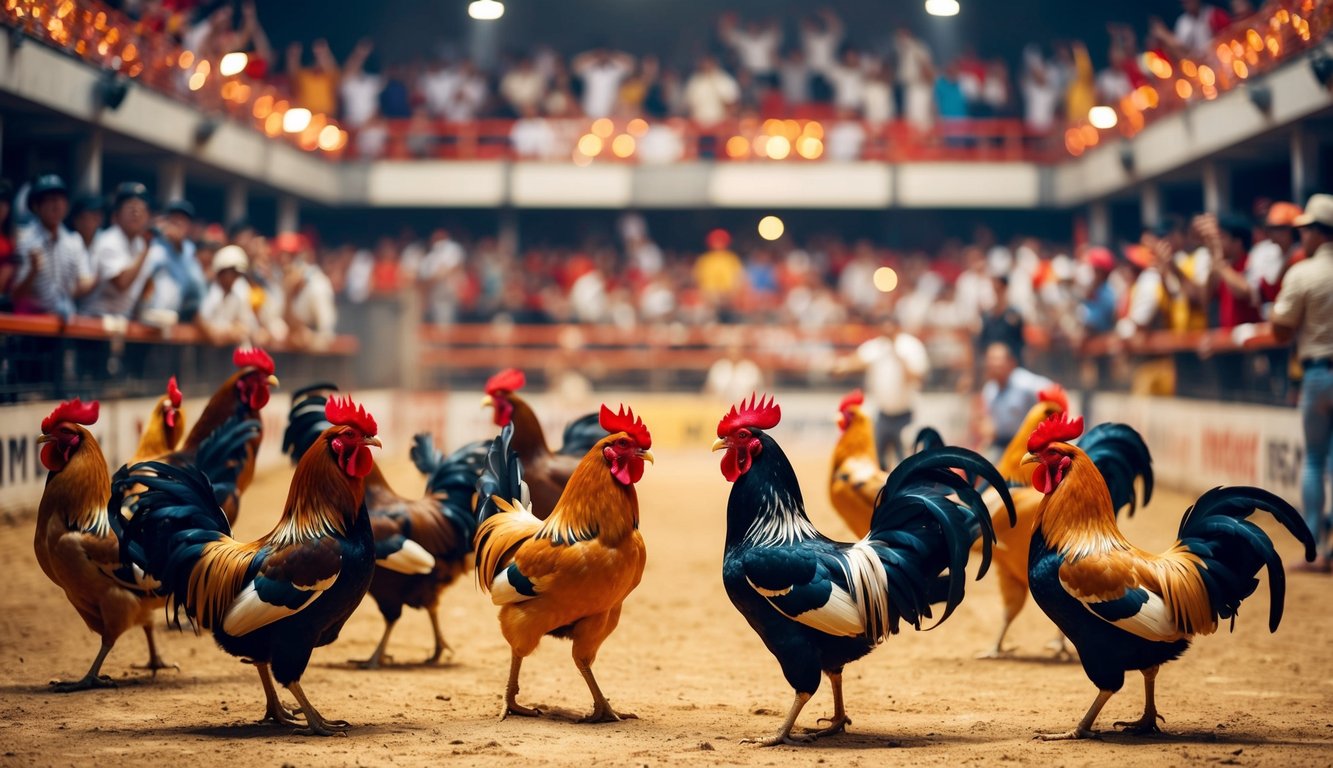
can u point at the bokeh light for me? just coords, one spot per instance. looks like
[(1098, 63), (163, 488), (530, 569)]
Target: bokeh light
[(771, 227), (886, 279)]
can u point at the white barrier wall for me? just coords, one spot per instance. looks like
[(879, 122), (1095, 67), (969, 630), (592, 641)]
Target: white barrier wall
[(1196, 444)]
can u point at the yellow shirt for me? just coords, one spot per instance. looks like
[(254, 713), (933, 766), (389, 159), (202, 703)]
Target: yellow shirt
[(719, 272), (316, 90), (1184, 315)]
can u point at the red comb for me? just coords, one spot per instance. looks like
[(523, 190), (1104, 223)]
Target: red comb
[(757, 413), (1057, 428), (253, 357), (345, 413), (508, 380), (855, 397), (1054, 394), (625, 421), (71, 410), (173, 392)]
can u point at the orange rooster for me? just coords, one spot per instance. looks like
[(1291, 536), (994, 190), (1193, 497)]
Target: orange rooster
[(855, 478), (164, 428), (1127, 609), (76, 541), (242, 395), (567, 576), (274, 600), (547, 472), (1118, 452)]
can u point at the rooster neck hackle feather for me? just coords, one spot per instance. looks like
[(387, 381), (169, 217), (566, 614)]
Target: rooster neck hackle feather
[(593, 505), (857, 439), (529, 438), (79, 492), (318, 487), (1076, 518)]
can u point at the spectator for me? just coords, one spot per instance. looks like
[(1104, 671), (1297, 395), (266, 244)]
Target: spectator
[(710, 92), (532, 136), (53, 269), (373, 138), (848, 80), (895, 366), (996, 99), (464, 94), (86, 215), (794, 78), (225, 315), (1146, 308), (719, 273), (950, 102), (877, 99), (314, 87), (384, 275), (1303, 312), (916, 77), (1227, 239), (601, 70), (1097, 311), (734, 376), (121, 259), (396, 96), (755, 44), (1001, 324), (821, 37), (1272, 257), (1041, 91), (360, 88), (1009, 393), (1081, 91), (311, 313), (1194, 31), (420, 137), (178, 283), (523, 87)]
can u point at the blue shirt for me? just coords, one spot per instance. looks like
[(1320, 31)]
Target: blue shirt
[(949, 99), (1099, 310), (1008, 405)]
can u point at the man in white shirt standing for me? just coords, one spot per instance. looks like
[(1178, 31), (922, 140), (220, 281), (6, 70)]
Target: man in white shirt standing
[(710, 93), (602, 71), (756, 45), (121, 260), (895, 365)]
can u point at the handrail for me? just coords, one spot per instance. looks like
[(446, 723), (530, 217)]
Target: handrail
[(96, 328)]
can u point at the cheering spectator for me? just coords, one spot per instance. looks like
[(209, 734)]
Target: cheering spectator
[(523, 87), (848, 81), (360, 88), (794, 78), (1195, 28), (755, 44), (601, 70), (311, 313), (1097, 311), (86, 215), (710, 93), (821, 37), (121, 259), (225, 315), (895, 366), (532, 136), (53, 268), (1081, 92), (1009, 393), (719, 273), (1272, 257), (464, 93), (1227, 239), (1041, 91), (916, 77), (877, 99), (314, 87), (178, 282)]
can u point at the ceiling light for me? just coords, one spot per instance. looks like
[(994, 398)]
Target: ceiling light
[(942, 7), (485, 10)]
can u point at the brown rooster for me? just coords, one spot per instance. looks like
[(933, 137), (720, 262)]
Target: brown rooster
[(567, 576), (546, 472), (164, 428), (272, 601), (855, 478)]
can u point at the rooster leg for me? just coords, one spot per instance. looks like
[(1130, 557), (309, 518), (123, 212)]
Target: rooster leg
[(1084, 728), (784, 734), (999, 651), (1148, 723), (91, 680), (601, 708), (511, 691), (440, 645), (274, 712), (1013, 594), (316, 724), (378, 658), (1060, 648), (839, 722), (155, 661)]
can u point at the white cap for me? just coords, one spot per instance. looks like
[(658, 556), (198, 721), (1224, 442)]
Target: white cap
[(1319, 210), (230, 257)]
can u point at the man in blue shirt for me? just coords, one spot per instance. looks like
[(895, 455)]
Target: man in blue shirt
[(1009, 393), (178, 282), (1098, 310)]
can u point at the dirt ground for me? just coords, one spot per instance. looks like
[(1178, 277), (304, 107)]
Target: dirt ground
[(682, 659)]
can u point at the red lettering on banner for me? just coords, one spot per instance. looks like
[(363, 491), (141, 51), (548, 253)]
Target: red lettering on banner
[(1231, 453)]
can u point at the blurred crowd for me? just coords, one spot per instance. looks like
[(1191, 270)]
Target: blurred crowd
[(119, 260), (762, 67)]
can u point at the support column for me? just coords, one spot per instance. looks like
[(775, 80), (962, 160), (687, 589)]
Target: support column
[(171, 180), (88, 162), (1099, 223), (1150, 204), (238, 202), (289, 214), (1304, 164), (1216, 187)]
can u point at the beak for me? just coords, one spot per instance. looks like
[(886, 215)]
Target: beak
[(1030, 458), (375, 441), (647, 456), (487, 402), (273, 381), (44, 439), (719, 444)]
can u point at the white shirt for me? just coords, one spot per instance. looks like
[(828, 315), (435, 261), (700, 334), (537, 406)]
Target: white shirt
[(732, 380), (230, 309), (849, 85), (64, 265), (523, 88), (708, 94), (821, 47), (914, 63), (892, 366), (464, 98), (359, 270), (1039, 102), (1264, 264), (601, 86), (1194, 32), (361, 98), (757, 51), (1112, 85), (794, 77), (532, 137), (877, 101), (436, 87), (844, 141), (112, 253), (314, 306)]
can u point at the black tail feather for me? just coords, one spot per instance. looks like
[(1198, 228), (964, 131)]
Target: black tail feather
[(502, 476), (1121, 456), (581, 435), (305, 420), (928, 438), (222, 454), (454, 477)]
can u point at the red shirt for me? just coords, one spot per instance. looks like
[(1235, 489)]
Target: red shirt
[(1235, 310)]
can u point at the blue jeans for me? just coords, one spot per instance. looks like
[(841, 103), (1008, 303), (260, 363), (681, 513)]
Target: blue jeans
[(1317, 419)]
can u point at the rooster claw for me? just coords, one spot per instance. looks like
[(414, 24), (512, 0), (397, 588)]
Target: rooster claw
[(1144, 726), (327, 729), (996, 653), (608, 715), (283, 716), (835, 725), (86, 683), (374, 662), (1077, 733), (781, 738), (519, 710)]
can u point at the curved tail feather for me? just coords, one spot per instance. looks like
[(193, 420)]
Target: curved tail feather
[(305, 420), (581, 435), (502, 509), (1121, 456)]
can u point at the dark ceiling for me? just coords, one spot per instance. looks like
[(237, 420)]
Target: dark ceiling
[(678, 29)]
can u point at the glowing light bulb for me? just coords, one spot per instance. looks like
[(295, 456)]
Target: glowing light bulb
[(485, 10), (1102, 117), (942, 7), (771, 228), (233, 64), (885, 279), (296, 120)]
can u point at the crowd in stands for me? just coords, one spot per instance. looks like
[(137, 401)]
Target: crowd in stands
[(119, 259), (746, 67)]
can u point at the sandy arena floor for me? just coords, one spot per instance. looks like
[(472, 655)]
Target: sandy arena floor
[(682, 659)]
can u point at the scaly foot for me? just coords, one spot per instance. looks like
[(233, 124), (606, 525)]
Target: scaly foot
[(324, 728), (789, 739), (518, 710), (835, 725), (87, 682), (1077, 733), (444, 651), (605, 714), (1144, 726), (155, 663), (280, 715)]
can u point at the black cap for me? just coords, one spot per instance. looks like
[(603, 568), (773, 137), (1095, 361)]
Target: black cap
[(1234, 224), (183, 207), (128, 191), (47, 184), (87, 202)]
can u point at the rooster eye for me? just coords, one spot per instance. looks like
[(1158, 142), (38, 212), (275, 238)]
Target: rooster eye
[(623, 442), (744, 434)]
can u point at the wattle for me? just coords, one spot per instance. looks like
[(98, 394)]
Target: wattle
[(504, 410), (51, 458), (734, 464), (627, 470), (360, 462), (1040, 479)]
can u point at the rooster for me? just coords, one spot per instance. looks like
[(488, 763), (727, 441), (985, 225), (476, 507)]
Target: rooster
[(1119, 454), (1127, 609), (274, 600), (818, 604), (164, 428), (546, 473), (243, 395), (422, 545), (568, 575)]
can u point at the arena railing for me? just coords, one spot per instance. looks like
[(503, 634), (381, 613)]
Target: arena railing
[(47, 359)]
